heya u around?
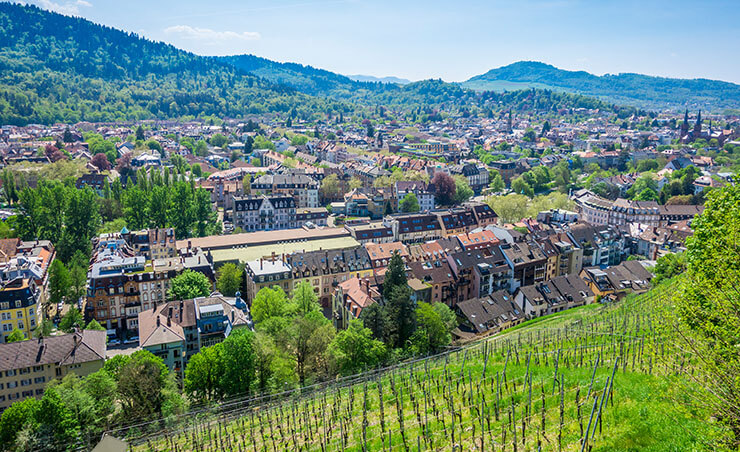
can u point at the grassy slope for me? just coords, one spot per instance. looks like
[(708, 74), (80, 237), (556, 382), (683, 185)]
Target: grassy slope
[(649, 410)]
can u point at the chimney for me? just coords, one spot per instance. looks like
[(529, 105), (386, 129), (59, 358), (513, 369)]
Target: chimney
[(273, 256), (169, 321), (158, 322), (189, 244), (260, 263)]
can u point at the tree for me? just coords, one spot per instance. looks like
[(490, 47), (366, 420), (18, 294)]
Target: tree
[(269, 303), (520, 186), (144, 385), (218, 140), (496, 183), (94, 325), (395, 275), (446, 315), (444, 188), (431, 333), (306, 342), (59, 282), (101, 162), (410, 203), (15, 336), (375, 318), (330, 187), (71, 320), (204, 374), (229, 279), (354, 349), (140, 133), (238, 362), (706, 307), (201, 148), (355, 183), (19, 415), (77, 283), (401, 314), (189, 284), (56, 422), (305, 299), (463, 192)]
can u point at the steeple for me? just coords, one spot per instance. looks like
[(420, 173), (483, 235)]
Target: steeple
[(685, 124), (697, 126)]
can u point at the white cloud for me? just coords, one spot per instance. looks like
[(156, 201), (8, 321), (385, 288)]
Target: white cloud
[(208, 36), (68, 8)]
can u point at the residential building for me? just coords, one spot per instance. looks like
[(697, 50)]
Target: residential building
[(26, 367), (268, 272), (558, 294), (419, 189), (303, 188), (177, 330), (615, 282), (490, 314), (262, 213), (349, 299)]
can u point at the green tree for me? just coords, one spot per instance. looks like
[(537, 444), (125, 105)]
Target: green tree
[(375, 318), (15, 336), (395, 275), (496, 181), (204, 374), (218, 140), (19, 415), (305, 299), (94, 325), (431, 334), (59, 282), (229, 279), (354, 350), (330, 187), (71, 320), (522, 187), (268, 303), (201, 148), (189, 284), (56, 421), (306, 342), (144, 386), (463, 192), (140, 133), (355, 183), (410, 203), (402, 315), (238, 357), (706, 307)]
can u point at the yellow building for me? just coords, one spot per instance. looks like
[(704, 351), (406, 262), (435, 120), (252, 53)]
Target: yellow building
[(19, 300), (26, 367)]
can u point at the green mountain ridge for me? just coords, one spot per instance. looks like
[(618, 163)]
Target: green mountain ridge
[(635, 89), (56, 68)]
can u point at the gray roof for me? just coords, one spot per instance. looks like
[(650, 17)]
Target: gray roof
[(79, 347)]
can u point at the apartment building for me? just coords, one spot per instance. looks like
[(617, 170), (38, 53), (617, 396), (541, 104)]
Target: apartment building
[(261, 273), (263, 213), (177, 330), (303, 188), (26, 367)]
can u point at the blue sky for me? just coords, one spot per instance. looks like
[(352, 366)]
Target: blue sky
[(452, 40)]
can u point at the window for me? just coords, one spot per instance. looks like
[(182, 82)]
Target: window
[(20, 314), (12, 384)]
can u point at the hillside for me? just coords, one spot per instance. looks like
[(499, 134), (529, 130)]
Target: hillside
[(59, 68), (607, 373), (633, 89)]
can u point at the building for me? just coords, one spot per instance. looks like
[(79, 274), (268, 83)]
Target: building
[(268, 272), (177, 330), (456, 221), (155, 243), (558, 294), (122, 283), (490, 314), (262, 213), (419, 189), (629, 276), (350, 298), (26, 367), (325, 269), (527, 261), (414, 227), (303, 188), (19, 306)]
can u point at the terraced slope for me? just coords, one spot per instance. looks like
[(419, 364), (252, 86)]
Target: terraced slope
[(601, 375)]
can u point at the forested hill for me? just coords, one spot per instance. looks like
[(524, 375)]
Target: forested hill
[(634, 89), (56, 68), (60, 68)]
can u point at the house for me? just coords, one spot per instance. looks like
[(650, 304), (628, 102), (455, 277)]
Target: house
[(350, 298), (629, 276), (490, 314), (263, 213), (414, 227), (419, 189), (177, 330), (273, 271), (26, 367), (555, 295)]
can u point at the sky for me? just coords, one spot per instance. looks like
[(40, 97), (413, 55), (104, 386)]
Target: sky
[(451, 40)]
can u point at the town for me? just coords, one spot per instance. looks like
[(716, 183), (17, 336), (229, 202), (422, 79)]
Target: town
[(500, 220), (204, 249)]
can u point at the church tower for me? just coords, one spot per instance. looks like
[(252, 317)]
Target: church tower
[(685, 124), (697, 126), (509, 126)]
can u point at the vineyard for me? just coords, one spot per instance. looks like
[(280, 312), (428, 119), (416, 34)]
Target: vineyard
[(601, 377)]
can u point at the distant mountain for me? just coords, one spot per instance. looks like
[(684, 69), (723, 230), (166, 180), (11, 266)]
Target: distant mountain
[(634, 89), (56, 68), (371, 78), (303, 78)]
